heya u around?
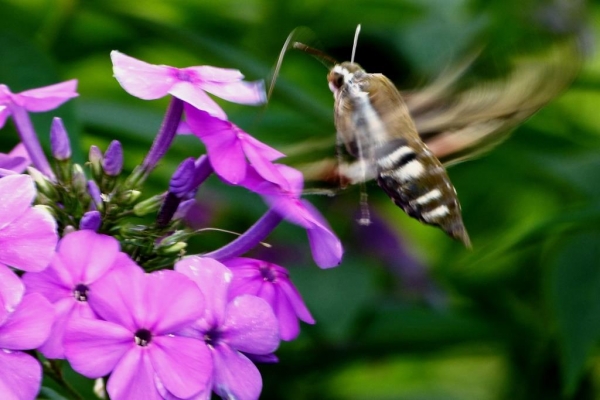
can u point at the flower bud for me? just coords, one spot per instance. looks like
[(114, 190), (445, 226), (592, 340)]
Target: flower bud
[(91, 220), (183, 178), (175, 248), (43, 184), (96, 195), (96, 162), (59, 140), (113, 159), (149, 205), (78, 179)]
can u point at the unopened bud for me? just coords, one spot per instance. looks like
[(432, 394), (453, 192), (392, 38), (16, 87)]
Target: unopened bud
[(175, 248), (91, 220), (149, 205), (96, 162), (113, 159), (78, 179), (59, 140), (43, 184), (95, 195)]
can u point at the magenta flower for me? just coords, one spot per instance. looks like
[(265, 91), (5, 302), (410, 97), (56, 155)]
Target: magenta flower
[(325, 246), (35, 100), (228, 329), (25, 324), (150, 82), (228, 147), (82, 258), (271, 283), (135, 342), (27, 234), (14, 162)]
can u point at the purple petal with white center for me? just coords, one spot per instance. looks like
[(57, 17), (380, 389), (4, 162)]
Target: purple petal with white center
[(29, 325), (140, 79), (238, 92), (250, 325), (184, 365), (16, 195), (48, 97), (133, 377), (165, 313), (11, 290), (28, 243), (20, 375), (235, 376), (88, 255), (213, 278), (94, 347), (197, 98)]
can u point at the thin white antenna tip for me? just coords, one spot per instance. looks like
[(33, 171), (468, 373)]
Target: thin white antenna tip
[(355, 42)]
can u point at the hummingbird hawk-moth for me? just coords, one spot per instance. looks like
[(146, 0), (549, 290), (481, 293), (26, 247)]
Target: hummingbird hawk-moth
[(404, 141)]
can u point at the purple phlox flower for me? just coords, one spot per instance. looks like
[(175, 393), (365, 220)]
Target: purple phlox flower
[(135, 342), (25, 325), (36, 100), (14, 162), (325, 246), (230, 328), (59, 140), (228, 147), (150, 82), (271, 283), (27, 234), (82, 258)]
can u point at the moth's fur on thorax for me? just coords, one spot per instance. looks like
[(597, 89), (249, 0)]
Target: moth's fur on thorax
[(373, 122)]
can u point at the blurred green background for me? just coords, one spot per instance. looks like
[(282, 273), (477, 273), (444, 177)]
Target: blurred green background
[(410, 314)]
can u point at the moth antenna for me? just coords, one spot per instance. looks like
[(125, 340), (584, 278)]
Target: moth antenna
[(284, 49), (325, 59), (355, 42)]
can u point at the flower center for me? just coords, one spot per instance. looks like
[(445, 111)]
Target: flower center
[(81, 292), (212, 337), (143, 337), (268, 274)]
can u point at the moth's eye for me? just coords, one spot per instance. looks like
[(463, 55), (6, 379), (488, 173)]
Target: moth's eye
[(339, 81)]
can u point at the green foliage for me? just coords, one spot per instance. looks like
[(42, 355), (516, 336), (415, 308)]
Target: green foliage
[(518, 317)]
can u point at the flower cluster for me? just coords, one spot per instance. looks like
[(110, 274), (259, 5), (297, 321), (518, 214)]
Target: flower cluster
[(83, 281)]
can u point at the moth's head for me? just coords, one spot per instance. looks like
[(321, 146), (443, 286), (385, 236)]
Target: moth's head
[(343, 73)]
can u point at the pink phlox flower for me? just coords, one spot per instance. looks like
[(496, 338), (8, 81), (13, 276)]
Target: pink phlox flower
[(14, 162), (230, 329), (135, 342), (228, 147), (271, 283), (27, 234), (150, 82), (82, 258), (36, 100), (325, 246), (24, 325)]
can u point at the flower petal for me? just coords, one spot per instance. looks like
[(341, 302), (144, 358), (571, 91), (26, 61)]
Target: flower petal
[(172, 302), (88, 255), (213, 279), (222, 144), (94, 347), (184, 365), (295, 299), (133, 378), (54, 283), (235, 376), (29, 325), (289, 327), (250, 325), (140, 79), (20, 375), (48, 97), (206, 73), (238, 92), (325, 246), (4, 114), (16, 195), (193, 95), (11, 289)]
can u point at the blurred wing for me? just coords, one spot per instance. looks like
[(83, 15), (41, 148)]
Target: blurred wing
[(459, 124)]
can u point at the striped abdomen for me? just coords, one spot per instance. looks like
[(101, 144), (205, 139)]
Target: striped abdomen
[(417, 182)]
